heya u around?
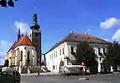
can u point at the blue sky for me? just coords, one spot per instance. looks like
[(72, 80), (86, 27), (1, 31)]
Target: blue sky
[(57, 18)]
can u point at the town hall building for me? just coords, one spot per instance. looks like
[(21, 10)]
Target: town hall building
[(64, 48)]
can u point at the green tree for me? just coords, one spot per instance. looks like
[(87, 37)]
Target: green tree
[(6, 63), (85, 53), (113, 55)]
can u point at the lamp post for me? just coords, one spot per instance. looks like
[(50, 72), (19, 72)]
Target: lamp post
[(40, 63)]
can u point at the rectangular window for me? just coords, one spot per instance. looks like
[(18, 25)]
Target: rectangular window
[(60, 51), (63, 50), (99, 50), (72, 50)]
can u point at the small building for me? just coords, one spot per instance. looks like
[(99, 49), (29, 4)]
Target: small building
[(58, 53)]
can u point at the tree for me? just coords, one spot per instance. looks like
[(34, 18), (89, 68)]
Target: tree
[(85, 53), (10, 3), (113, 55), (6, 63)]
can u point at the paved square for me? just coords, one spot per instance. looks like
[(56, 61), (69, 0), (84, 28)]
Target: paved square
[(106, 78)]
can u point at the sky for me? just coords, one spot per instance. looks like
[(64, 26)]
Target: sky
[(57, 18)]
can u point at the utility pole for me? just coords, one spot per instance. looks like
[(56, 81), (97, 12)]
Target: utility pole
[(40, 63)]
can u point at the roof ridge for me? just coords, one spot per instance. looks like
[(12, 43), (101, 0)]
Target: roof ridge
[(80, 37)]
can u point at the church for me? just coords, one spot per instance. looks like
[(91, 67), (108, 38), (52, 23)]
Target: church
[(25, 53)]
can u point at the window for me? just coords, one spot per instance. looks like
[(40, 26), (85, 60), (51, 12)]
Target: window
[(60, 51), (72, 49), (63, 51), (28, 57), (21, 56), (98, 50)]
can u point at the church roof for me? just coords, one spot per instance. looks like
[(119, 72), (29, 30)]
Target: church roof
[(22, 41), (12, 47), (75, 37)]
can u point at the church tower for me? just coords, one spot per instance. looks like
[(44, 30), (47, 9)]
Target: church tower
[(35, 37)]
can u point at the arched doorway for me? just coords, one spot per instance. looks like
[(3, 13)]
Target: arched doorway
[(61, 65)]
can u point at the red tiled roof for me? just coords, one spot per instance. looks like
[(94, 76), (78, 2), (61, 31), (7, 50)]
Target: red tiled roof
[(74, 37), (24, 40)]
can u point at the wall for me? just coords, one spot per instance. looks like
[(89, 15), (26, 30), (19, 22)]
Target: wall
[(25, 49), (54, 57)]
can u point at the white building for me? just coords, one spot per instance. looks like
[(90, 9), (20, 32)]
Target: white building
[(63, 49)]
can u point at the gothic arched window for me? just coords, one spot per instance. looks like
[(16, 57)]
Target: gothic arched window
[(28, 55), (21, 55)]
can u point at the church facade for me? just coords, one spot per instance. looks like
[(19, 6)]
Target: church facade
[(26, 50)]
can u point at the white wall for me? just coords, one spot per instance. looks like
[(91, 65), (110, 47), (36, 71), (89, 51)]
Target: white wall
[(25, 49), (55, 60)]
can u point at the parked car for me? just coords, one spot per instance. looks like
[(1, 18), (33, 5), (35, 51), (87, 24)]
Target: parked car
[(72, 69), (10, 76), (6, 77)]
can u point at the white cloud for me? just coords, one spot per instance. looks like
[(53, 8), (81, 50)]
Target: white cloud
[(109, 23), (106, 39), (116, 35), (4, 46), (24, 27)]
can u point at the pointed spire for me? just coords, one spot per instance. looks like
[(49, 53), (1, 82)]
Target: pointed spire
[(35, 22), (19, 33)]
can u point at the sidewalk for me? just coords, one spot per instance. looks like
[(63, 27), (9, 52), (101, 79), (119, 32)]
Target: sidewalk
[(41, 74)]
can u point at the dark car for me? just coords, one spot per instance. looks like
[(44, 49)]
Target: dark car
[(6, 77), (10, 77)]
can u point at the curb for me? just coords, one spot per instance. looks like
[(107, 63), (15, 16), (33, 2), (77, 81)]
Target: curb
[(41, 74)]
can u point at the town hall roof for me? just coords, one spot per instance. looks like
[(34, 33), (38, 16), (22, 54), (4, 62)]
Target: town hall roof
[(75, 37)]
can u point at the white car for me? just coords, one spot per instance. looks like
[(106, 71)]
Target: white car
[(72, 69)]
